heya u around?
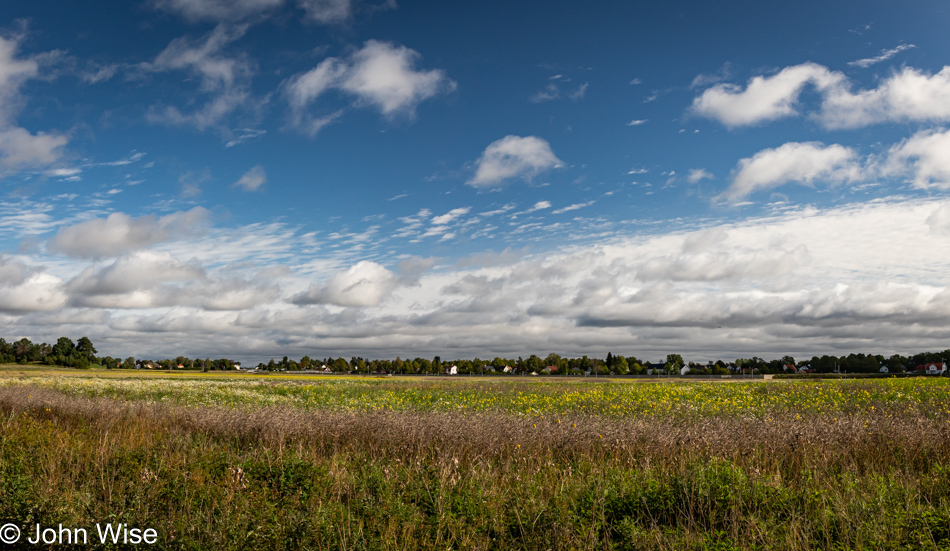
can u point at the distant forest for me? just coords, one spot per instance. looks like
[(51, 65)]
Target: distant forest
[(554, 364), (82, 354)]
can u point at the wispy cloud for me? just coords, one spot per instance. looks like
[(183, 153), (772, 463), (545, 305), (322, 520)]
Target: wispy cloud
[(575, 206), (252, 180), (883, 56)]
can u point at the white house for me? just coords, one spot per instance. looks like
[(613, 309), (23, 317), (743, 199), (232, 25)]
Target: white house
[(452, 370), (935, 368)]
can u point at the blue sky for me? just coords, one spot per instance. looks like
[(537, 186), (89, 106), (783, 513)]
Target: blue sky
[(258, 178)]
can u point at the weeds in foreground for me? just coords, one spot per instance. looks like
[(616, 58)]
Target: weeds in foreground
[(290, 478)]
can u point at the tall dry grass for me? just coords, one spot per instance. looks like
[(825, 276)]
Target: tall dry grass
[(283, 478)]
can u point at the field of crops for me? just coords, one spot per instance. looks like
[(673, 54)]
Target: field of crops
[(471, 463), (613, 398)]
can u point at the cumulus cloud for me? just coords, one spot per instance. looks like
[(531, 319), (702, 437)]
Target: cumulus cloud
[(13, 272), (25, 288), (20, 148), (134, 272), (39, 292), (119, 233), (925, 156), (380, 74), (513, 157), (910, 95), (806, 163), (384, 75), (217, 10), (253, 179), (150, 279), (811, 280), (364, 284), (765, 98)]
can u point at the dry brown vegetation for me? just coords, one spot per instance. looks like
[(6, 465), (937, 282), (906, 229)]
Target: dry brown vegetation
[(288, 478)]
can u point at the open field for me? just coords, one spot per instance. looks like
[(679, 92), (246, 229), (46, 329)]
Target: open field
[(217, 462)]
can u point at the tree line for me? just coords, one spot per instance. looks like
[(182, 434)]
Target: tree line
[(554, 364), (65, 352), (82, 354)]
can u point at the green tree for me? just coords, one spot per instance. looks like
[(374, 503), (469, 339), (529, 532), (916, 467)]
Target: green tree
[(64, 347), (673, 363), (86, 349), (620, 365), (22, 349)]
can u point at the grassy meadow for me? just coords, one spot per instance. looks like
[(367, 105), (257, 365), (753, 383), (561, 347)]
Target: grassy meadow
[(247, 462)]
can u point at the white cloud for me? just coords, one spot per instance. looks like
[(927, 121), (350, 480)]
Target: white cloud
[(119, 232), (217, 10), (364, 284), (553, 90), (805, 163), (575, 206), (14, 72), (39, 292), (805, 281), (450, 216), (548, 93), (765, 98), (883, 56), (133, 272), (579, 92), (638, 122), (150, 279), (696, 175), (380, 74), (244, 134), (540, 205), (925, 155), (204, 58), (513, 157), (225, 80), (908, 96), (20, 148), (253, 179), (384, 75), (703, 80)]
